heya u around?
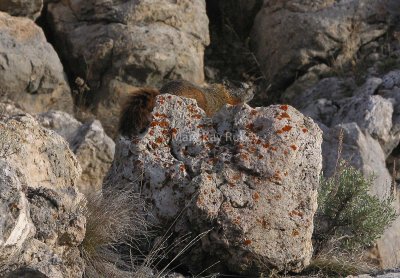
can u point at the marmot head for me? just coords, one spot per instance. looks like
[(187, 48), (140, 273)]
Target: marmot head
[(240, 90)]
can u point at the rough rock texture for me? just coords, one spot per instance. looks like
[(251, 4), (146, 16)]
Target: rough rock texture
[(8, 108), (250, 175), (373, 114), (136, 42), (41, 223), (92, 147), (31, 73), (388, 246), (26, 8), (291, 37)]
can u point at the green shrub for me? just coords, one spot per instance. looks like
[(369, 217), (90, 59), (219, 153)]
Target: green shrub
[(348, 221), (348, 211)]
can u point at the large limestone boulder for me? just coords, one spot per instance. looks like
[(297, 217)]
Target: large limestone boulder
[(31, 73), (26, 8), (41, 223), (293, 37), (89, 142), (248, 176), (136, 42)]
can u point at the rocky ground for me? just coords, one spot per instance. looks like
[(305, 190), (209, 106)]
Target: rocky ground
[(320, 68)]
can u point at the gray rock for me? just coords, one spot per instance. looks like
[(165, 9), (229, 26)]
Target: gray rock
[(95, 153), (332, 88), (89, 142), (388, 245), (62, 123), (8, 108), (321, 110), (26, 8), (41, 223), (373, 114), (369, 88), (291, 36), (31, 73), (391, 80), (249, 175), (136, 42), (374, 108)]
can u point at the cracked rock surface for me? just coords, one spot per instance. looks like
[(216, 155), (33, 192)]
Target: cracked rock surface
[(27, 8), (249, 175), (290, 38), (41, 224), (89, 142), (31, 73), (135, 42)]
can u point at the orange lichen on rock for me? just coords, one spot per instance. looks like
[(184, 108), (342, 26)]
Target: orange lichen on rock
[(294, 147), (285, 115), (296, 213), (263, 222), (159, 140), (174, 131), (159, 115), (247, 242), (244, 156), (237, 177), (256, 196), (284, 107)]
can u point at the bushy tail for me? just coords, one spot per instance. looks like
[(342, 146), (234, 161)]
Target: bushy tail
[(136, 113)]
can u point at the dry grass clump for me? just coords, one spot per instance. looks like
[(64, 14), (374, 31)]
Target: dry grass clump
[(115, 226), (120, 243), (332, 260)]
